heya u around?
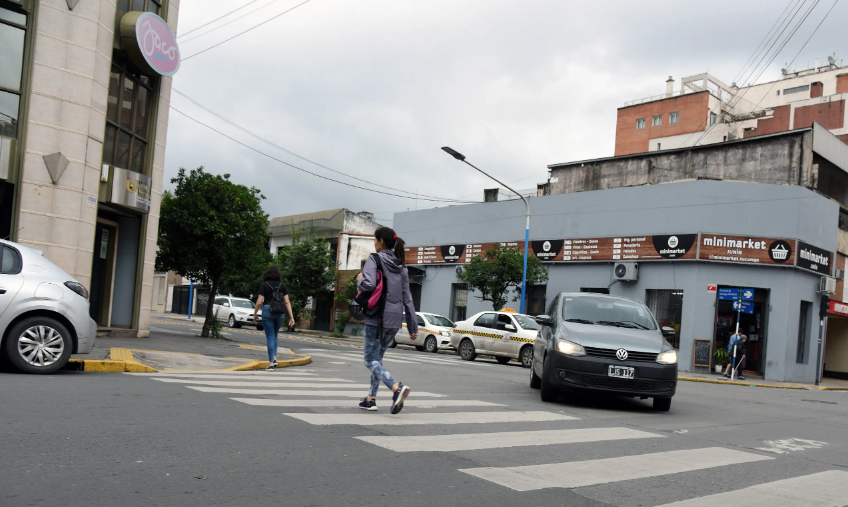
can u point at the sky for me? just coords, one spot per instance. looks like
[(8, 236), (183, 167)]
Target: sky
[(374, 88)]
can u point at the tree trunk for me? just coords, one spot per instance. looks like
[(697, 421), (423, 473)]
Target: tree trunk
[(207, 324)]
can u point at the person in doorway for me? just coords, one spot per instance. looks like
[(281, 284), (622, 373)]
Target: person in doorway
[(273, 299), (381, 328), (739, 340)]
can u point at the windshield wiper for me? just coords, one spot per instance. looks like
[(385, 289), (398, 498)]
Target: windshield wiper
[(580, 321), (622, 323), (640, 326)]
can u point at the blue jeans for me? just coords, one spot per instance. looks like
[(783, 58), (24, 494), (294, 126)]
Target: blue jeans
[(271, 323), (375, 347)]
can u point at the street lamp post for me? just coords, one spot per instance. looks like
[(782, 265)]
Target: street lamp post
[(459, 156)]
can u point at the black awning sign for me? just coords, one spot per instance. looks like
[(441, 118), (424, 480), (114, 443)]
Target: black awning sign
[(814, 258)]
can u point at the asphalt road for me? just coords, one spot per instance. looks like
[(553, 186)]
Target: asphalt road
[(470, 434)]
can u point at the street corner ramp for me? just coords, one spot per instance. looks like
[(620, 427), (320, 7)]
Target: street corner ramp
[(176, 361)]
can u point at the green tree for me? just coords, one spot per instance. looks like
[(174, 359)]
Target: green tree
[(308, 268), (498, 270), (207, 226), (244, 279)]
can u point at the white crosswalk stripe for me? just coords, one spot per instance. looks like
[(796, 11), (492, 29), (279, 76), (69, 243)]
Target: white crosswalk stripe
[(430, 418), (502, 440), (321, 393), (242, 378), (218, 374), (417, 403), (825, 489), (341, 384), (355, 357), (578, 474)]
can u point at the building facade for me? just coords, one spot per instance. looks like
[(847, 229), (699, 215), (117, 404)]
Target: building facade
[(85, 88), (705, 110)]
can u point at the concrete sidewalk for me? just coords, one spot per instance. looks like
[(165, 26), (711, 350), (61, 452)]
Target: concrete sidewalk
[(828, 384)]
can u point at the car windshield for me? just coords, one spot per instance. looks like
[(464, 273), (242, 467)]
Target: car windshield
[(526, 322), (607, 312), (438, 320), (242, 303)]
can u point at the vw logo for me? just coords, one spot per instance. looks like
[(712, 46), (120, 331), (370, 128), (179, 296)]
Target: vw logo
[(621, 354)]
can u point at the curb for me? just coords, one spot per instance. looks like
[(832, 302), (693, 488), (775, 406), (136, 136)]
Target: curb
[(729, 383), (324, 336), (121, 361)]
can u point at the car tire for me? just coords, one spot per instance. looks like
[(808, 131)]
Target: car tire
[(419, 348), (43, 330), (393, 345), (662, 404), (502, 359), (260, 327), (466, 350), (535, 381), (549, 392), (430, 345), (525, 357), (231, 322)]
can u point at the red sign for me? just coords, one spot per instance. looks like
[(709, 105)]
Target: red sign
[(838, 308), (712, 288)]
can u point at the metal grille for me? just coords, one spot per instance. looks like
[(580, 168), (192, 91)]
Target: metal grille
[(631, 356), (619, 384)]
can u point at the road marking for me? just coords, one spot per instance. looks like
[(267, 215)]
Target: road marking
[(355, 357), (171, 331), (476, 441), (417, 403), (244, 375), (577, 474), (343, 384), (321, 393), (790, 445), (825, 489), (430, 418)]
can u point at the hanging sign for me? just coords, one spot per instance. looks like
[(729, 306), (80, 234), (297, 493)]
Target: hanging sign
[(814, 258), (131, 189), (150, 43)]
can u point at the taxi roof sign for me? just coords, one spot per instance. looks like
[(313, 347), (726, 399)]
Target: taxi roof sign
[(508, 310)]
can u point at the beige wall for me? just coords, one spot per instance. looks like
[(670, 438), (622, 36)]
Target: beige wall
[(836, 348)]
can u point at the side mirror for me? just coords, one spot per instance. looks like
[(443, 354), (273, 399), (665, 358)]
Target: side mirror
[(510, 327), (668, 331), (226, 305), (544, 320)]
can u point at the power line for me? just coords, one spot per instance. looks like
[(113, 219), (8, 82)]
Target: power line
[(762, 43), (216, 19), (256, 136), (229, 22), (300, 168), (244, 32)]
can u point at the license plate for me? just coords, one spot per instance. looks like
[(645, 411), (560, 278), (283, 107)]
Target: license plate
[(621, 372)]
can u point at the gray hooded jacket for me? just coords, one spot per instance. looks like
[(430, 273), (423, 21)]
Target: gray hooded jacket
[(396, 285)]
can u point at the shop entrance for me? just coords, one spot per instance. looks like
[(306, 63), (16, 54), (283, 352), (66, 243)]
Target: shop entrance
[(103, 271), (753, 325)]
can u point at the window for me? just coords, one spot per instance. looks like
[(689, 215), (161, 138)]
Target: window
[(674, 117), (667, 307), (153, 6), (713, 118), (778, 93), (657, 120), (486, 320), (606, 311), (12, 38), (10, 261), (420, 321), (503, 321), (659, 146), (640, 124), (596, 290), (803, 331), (127, 118), (527, 323), (459, 303), (796, 89), (536, 300)]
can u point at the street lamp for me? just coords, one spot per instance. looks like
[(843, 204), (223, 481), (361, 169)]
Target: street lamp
[(459, 156)]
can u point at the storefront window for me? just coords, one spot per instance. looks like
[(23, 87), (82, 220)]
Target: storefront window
[(12, 38), (536, 296), (127, 115), (153, 6), (459, 302), (667, 307)]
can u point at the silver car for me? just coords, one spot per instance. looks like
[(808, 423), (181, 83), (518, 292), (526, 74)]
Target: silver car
[(43, 312)]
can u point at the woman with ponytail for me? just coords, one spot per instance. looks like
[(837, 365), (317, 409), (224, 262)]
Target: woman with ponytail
[(381, 327)]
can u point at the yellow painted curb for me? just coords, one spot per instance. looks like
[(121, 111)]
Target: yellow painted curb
[(728, 382), (121, 361), (825, 388)]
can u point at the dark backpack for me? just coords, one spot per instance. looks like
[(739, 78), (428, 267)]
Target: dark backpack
[(277, 302), (370, 303)]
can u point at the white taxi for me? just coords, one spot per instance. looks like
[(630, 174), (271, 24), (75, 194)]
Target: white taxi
[(434, 333), (506, 335)]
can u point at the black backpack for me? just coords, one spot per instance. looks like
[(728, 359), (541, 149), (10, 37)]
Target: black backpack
[(277, 303)]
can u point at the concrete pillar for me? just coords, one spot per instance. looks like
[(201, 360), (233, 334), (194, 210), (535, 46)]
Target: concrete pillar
[(669, 87)]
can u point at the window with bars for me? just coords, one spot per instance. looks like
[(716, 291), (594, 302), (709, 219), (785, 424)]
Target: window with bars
[(459, 304), (640, 123), (127, 118), (674, 117), (656, 120), (713, 118), (667, 307), (154, 6), (796, 89), (13, 26)]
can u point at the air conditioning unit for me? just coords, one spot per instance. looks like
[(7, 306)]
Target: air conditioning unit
[(827, 285), (625, 271)]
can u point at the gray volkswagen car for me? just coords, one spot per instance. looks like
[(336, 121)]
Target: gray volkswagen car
[(43, 311), (603, 344)]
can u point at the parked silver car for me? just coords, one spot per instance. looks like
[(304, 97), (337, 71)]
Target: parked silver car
[(43, 311), (236, 311)]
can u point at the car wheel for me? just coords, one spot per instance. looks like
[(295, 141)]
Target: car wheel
[(466, 350), (430, 345), (232, 321), (503, 360), (662, 404), (419, 348), (535, 381), (393, 344), (526, 356), (549, 392), (260, 327), (39, 345)]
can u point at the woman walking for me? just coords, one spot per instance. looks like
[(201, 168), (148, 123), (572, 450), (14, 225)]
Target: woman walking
[(380, 330), (273, 300)]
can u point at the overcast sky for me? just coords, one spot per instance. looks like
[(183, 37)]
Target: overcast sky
[(374, 88)]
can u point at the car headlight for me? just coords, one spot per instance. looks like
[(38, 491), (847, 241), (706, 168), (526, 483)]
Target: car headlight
[(445, 333), (667, 357), (570, 348), (78, 288)]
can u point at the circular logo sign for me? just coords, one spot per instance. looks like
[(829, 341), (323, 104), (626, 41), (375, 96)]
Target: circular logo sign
[(672, 242), (546, 246), (621, 354), (780, 251), (452, 250), (150, 43)]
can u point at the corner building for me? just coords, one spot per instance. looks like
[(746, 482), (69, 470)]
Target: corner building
[(85, 87)]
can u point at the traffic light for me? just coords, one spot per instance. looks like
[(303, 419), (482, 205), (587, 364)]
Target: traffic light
[(824, 306)]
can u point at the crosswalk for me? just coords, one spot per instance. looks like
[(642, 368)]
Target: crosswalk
[(395, 358), (435, 422)]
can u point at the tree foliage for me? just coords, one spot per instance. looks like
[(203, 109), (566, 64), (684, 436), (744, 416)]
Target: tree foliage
[(308, 267), (208, 225), (246, 277), (498, 270)]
